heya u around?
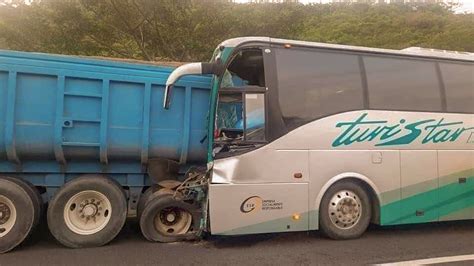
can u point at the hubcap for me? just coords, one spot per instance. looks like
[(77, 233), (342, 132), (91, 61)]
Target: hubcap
[(173, 221), (7, 215), (87, 212), (170, 218), (345, 209)]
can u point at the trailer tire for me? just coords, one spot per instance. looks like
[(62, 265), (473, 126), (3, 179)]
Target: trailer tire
[(185, 219), (17, 212), (143, 200), (345, 211), (150, 193), (93, 198), (34, 195)]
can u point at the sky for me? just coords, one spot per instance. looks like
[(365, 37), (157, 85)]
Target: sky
[(467, 5)]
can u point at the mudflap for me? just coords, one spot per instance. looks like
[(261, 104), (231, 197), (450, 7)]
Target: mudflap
[(162, 169)]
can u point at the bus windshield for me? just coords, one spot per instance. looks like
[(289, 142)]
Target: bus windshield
[(241, 104)]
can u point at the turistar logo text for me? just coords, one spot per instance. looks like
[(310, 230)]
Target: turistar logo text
[(402, 133)]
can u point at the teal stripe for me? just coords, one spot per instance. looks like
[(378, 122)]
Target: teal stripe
[(436, 203)]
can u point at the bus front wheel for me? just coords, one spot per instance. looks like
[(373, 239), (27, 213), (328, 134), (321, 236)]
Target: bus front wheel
[(345, 211)]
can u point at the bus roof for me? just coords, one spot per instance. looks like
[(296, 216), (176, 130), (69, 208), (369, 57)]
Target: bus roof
[(412, 51)]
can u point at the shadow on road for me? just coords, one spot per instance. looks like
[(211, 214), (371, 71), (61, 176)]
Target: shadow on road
[(373, 231), (131, 231), (378, 245)]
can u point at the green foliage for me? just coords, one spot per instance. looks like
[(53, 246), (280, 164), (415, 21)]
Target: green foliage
[(189, 30)]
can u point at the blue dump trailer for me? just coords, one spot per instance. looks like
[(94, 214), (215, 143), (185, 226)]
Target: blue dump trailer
[(67, 122)]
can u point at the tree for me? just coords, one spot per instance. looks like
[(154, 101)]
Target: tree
[(189, 30)]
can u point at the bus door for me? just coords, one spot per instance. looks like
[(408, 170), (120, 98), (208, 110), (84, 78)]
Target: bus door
[(255, 187)]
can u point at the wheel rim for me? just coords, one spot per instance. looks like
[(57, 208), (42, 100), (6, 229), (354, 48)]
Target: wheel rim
[(173, 221), (345, 209), (7, 215), (87, 212)]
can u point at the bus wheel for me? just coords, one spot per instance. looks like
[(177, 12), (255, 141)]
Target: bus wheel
[(17, 214), (88, 211), (166, 219), (345, 211)]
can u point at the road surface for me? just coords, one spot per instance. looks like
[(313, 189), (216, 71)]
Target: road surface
[(379, 245)]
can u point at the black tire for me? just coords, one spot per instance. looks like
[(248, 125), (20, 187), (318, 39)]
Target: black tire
[(25, 214), (151, 192), (34, 195), (154, 206), (143, 200), (329, 228), (106, 186)]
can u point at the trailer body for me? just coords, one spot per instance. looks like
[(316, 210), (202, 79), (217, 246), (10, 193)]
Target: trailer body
[(63, 116)]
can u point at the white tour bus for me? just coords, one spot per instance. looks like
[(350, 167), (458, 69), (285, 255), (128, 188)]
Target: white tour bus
[(305, 136)]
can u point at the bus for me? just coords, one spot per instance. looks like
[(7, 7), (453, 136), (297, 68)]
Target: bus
[(297, 136), (312, 136)]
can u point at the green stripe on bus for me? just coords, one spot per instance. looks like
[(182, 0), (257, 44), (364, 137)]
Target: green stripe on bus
[(441, 202)]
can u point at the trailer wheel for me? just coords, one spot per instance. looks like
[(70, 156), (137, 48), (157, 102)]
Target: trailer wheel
[(151, 192), (88, 211), (345, 211), (166, 219), (17, 214), (34, 195)]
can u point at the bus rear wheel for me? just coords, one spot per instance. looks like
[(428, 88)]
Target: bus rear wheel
[(345, 211), (88, 211), (17, 214)]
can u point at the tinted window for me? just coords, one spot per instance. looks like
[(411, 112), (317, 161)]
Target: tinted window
[(459, 83), (315, 84), (255, 116), (402, 84), (245, 69)]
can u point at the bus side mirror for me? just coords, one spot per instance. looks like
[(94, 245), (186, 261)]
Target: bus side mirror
[(189, 69)]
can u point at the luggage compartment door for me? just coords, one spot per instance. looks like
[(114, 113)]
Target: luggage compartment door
[(456, 184), (419, 192), (258, 208)]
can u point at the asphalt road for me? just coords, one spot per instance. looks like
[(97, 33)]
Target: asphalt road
[(378, 245)]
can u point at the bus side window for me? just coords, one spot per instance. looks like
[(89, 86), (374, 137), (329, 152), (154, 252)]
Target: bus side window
[(315, 84), (246, 69), (255, 117), (459, 82), (402, 84)]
